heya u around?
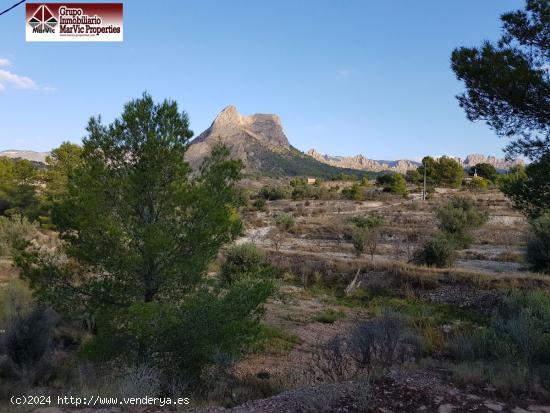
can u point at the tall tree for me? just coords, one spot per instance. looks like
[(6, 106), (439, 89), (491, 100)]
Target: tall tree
[(508, 87), (140, 233), (508, 83)]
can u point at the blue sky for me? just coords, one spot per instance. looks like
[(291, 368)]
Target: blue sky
[(345, 76)]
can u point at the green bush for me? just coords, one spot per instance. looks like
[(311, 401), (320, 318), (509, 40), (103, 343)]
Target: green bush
[(393, 183), (538, 247), (518, 336), (479, 184), (439, 251), (369, 221), (259, 204), (458, 217), (355, 192), (13, 230), (329, 316), (245, 260), (273, 193), (181, 338), (284, 221), (26, 346)]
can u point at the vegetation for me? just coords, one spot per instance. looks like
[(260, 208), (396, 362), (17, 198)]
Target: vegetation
[(456, 220), (393, 183), (458, 217), (516, 339), (354, 192), (365, 233), (443, 171), (506, 83), (272, 193), (245, 261), (284, 222), (485, 170), (538, 247), (139, 235), (14, 231), (440, 251), (329, 316), (529, 187), (18, 181), (507, 86)]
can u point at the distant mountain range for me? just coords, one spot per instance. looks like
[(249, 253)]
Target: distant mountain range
[(260, 142), (363, 163), (28, 155)]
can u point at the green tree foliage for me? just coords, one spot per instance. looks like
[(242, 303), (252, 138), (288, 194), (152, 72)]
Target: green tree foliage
[(393, 183), (365, 233), (529, 187), (245, 261), (139, 235), (508, 87), (507, 84), (284, 221), (444, 171), (18, 182), (414, 177), (272, 193), (60, 165), (439, 251), (448, 172), (538, 248), (458, 217), (355, 192), (479, 184), (485, 170)]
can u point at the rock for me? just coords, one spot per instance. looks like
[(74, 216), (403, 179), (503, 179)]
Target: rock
[(539, 409), (403, 165), (494, 406), (28, 155), (239, 133), (518, 410), (446, 408)]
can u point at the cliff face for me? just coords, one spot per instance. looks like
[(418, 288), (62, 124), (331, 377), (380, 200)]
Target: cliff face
[(260, 142), (28, 155), (499, 164), (241, 134), (360, 162), (363, 163)]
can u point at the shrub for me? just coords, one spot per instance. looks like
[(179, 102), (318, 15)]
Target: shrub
[(538, 247), (364, 239), (479, 184), (485, 170), (245, 260), (141, 380), (272, 193), (284, 221), (382, 342), (369, 221), (179, 339), (393, 183), (413, 177), (518, 335), (439, 251), (354, 192), (13, 230), (259, 204), (458, 217), (329, 316), (27, 343)]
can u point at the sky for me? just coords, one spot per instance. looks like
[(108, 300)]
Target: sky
[(345, 76)]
